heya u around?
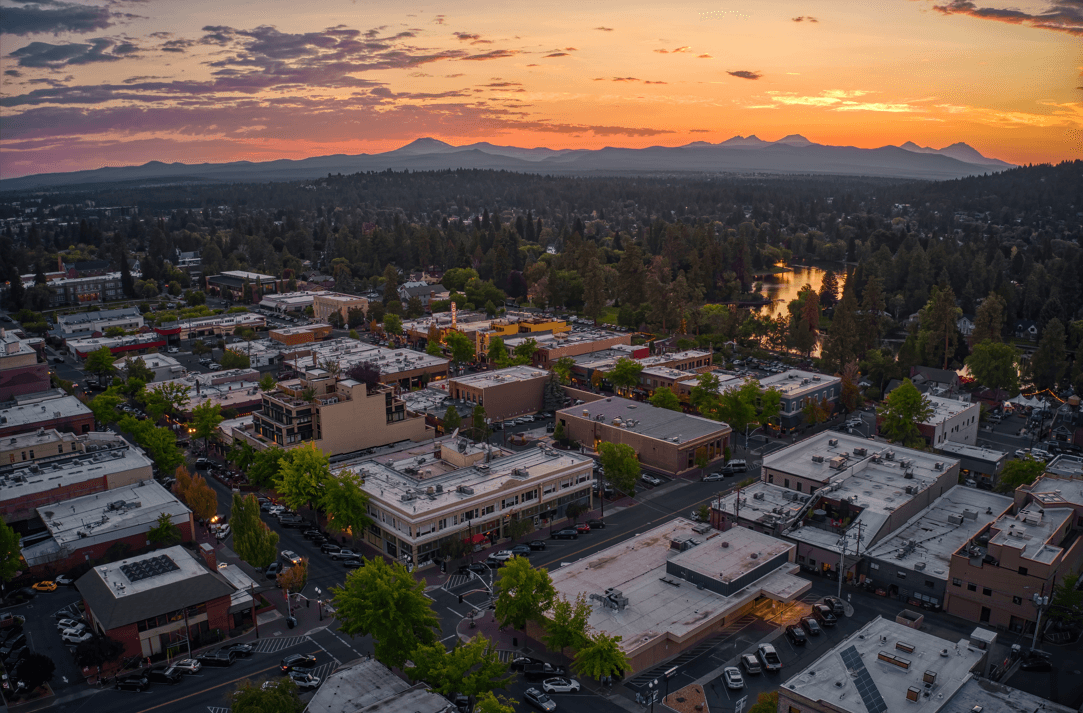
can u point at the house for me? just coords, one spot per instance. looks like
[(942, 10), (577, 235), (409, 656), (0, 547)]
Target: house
[(1026, 329), (965, 323), (940, 382)]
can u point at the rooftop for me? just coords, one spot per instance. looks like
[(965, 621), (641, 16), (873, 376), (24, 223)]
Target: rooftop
[(1030, 531), (153, 361), (106, 454), (563, 339), (665, 372), (794, 382), (964, 450), (1066, 465), (485, 379), (985, 696), (1052, 491), (356, 686), (765, 503), (815, 458), (90, 344), (434, 402), (929, 539), (30, 414), (101, 315), (349, 352), (291, 298), (647, 420), (300, 329), (944, 408), (33, 439), (338, 296), (238, 319), (873, 669), (13, 344), (242, 275)]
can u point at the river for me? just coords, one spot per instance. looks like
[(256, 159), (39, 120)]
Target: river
[(784, 287)]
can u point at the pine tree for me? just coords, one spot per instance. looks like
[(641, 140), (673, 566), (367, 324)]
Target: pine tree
[(989, 319), (842, 343)]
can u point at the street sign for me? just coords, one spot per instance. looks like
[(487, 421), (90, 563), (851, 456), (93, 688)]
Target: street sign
[(740, 707)]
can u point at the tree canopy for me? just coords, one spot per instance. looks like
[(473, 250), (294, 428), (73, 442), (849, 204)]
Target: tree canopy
[(523, 593), (902, 412)]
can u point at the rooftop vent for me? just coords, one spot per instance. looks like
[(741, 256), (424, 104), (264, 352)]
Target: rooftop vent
[(861, 451), (890, 455), (913, 694), (817, 459), (832, 441), (757, 496), (938, 465)]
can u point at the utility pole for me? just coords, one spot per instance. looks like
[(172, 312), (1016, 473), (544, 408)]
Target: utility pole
[(255, 621)]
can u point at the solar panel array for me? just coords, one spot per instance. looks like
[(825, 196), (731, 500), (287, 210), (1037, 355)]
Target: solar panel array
[(150, 567), (870, 694)]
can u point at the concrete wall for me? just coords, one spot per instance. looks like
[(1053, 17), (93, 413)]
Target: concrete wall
[(506, 400), (81, 555), (361, 423)]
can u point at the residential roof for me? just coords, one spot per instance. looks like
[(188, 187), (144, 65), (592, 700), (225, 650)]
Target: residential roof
[(30, 414), (117, 594), (852, 676), (485, 379), (647, 420)]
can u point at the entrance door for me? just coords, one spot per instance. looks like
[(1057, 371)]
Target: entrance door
[(985, 614)]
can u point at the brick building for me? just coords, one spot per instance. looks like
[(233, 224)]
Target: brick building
[(304, 334), (45, 410), (504, 393), (951, 420), (230, 285), (665, 441), (327, 303), (151, 601), (20, 370), (128, 344), (85, 528), (552, 347)]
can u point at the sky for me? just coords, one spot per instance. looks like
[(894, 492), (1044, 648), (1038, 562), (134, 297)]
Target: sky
[(123, 82)]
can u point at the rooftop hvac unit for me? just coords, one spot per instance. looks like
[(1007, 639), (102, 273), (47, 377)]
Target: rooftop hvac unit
[(815, 378), (890, 455), (757, 496), (909, 474), (954, 519), (861, 451), (919, 566), (973, 515), (817, 459), (910, 491), (838, 463), (832, 441), (938, 465)]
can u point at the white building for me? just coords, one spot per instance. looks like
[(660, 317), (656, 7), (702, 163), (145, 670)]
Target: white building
[(85, 324), (951, 420)]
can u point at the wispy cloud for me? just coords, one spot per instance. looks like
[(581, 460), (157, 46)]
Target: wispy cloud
[(466, 36), (704, 56), (45, 55), (805, 18), (745, 74), (627, 79), (679, 50), (1059, 16), (54, 17), (556, 54), (604, 29)]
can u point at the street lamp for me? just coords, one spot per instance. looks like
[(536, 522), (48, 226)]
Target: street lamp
[(319, 602), (669, 674), (1041, 603), (652, 689)]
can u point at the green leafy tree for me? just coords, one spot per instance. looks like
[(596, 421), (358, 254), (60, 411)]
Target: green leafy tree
[(705, 397), (625, 373), (303, 473), (523, 593), (293, 579), (901, 413), (600, 657), (170, 397), (478, 427), (663, 397), (253, 541), (164, 533), (766, 702), (242, 455), (621, 466), (345, 503), (434, 349), (265, 466), (816, 411), (1066, 604), (200, 348), (471, 668), (562, 367), (737, 406), (136, 368), (98, 652), (524, 352), (850, 394), (567, 623), (393, 325), (100, 362), (1049, 361), (552, 394), (989, 319), (489, 702), (498, 353), (106, 406), (11, 555), (385, 601), (993, 364), (461, 346), (276, 696), (1019, 472), (233, 359), (267, 383), (770, 406), (452, 419), (842, 344), (206, 418)]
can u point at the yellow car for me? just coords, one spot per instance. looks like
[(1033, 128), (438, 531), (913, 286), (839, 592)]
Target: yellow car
[(45, 586)]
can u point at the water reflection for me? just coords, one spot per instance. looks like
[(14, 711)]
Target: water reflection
[(784, 287)]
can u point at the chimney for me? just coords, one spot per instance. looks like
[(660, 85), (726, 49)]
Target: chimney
[(207, 551)]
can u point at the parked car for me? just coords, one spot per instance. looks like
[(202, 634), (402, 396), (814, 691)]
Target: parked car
[(202, 463), (242, 650), (751, 665), (310, 533), (221, 657), (796, 635), (273, 570), (329, 547), (187, 666), (582, 528), (650, 479), (222, 532), (290, 521), (714, 478), (733, 679), (134, 682), (63, 624), (64, 580), (502, 556), (167, 675), (539, 700), (824, 615), (560, 685), (737, 466), (342, 554), (565, 534), (837, 607), (596, 524), (811, 626), (769, 657), (521, 551), (520, 662), (353, 563), (536, 544), (304, 680), (542, 671), (47, 586), (74, 636), (296, 661)]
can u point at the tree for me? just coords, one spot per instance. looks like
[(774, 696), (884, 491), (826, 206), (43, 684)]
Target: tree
[(98, 651), (829, 289), (385, 601), (566, 625), (850, 394), (233, 359), (367, 372), (345, 504), (989, 319), (737, 406), (1019, 472), (940, 324), (523, 593), (478, 427), (293, 579), (106, 406), (993, 364), (170, 397), (1049, 361), (253, 541), (164, 533), (498, 353), (524, 352), (10, 553), (136, 368), (205, 418), (621, 466), (901, 413), (391, 284), (461, 346), (705, 398), (490, 703), (552, 394), (663, 397), (843, 341), (625, 373), (1066, 604), (601, 657), (471, 668), (302, 475), (267, 383), (562, 367), (452, 420), (100, 362), (274, 696), (816, 411), (265, 466), (766, 702), (393, 325), (871, 317), (201, 499), (770, 406), (200, 348), (35, 671)]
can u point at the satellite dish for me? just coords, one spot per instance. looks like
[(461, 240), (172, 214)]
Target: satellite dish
[(455, 435)]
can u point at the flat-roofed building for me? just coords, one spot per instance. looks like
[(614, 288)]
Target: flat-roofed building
[(667, 441), (913, 562), (982, 695), (433, 403), (84, 528), (21, 372), (695, 360), (130, 343), (504, 393), (324, 304), (85, 290), (45, 410), (424, 495), (952, 420), (29, 446), (236, 389), (995, 573), (552, 347), (635, 587), (656, 377), (977, 463), (289, 302), (230, 284), (403, 367), (799, 388), (367, 686), (762, 507), (163, 366), (87, 324), (105, 462), (157, 602), (216, 326), (884, 666), (302, 334)]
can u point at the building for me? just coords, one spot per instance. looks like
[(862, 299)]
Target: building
[(504, 393), (656, 377), (405, 368), (303, 334), (216, 326), (131, 343), (45, 410), (763, 507), (235, 389), (952, 420), (230, 285), (42, 443), (20, 370), (693, 360), (426, 495), (94, 289), (481, 328), (885, 666), (995, 574), (85, 528), (937, 382), (798, 389), (342, 415), (159, 602), (164, 366), (433, 403), (635, 587), (912, 562), (552, 347), (102, 461), (89, 324), (978, 464), (982, 695), (424, 291), (367, 686), (324, 304), (289, 302), (667, 441)]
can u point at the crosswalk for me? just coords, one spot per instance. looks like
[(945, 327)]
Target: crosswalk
[(506, 655), (324, 670), (703, 647), (456, 580), (217, 709), (269, 646)]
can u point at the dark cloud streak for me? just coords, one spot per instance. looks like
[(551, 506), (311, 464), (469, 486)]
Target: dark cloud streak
[(745, 74), (1061, 15), (42, 18)]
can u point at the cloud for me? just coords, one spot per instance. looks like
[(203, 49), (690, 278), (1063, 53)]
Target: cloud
[(43, 54), (679, 50), (12, 73), (650, 82), (556, 54), (604, 29), (466, 36), (571, 49), (502, 85), (53, 17), (178, 46), (492, 54), (440, 20), (704, 56), (699, 131), (745, 74), (1058, 16), (805, 18)]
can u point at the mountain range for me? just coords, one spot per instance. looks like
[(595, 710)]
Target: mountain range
[(793, 154)]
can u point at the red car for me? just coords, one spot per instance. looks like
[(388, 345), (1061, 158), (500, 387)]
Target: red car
[(582, 528)]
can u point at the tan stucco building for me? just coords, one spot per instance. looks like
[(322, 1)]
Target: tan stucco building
[(504, 393), (327, 303)]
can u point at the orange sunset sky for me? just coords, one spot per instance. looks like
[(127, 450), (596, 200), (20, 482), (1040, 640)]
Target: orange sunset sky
[(116, 82)]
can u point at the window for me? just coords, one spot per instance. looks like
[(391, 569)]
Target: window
[(957, 582), (874, 566), (971, 587), (800, 558), (798, 487), (1023, 571), (794, 709), (786, 483), (986, 591), (60, 448), (930, 585), (900, 574), (1017, 600)]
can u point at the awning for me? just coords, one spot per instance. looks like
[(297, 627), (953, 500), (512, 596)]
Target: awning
[(475, 539)]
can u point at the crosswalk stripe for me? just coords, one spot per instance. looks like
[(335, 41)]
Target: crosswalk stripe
[(217, 709), (269, 646)]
